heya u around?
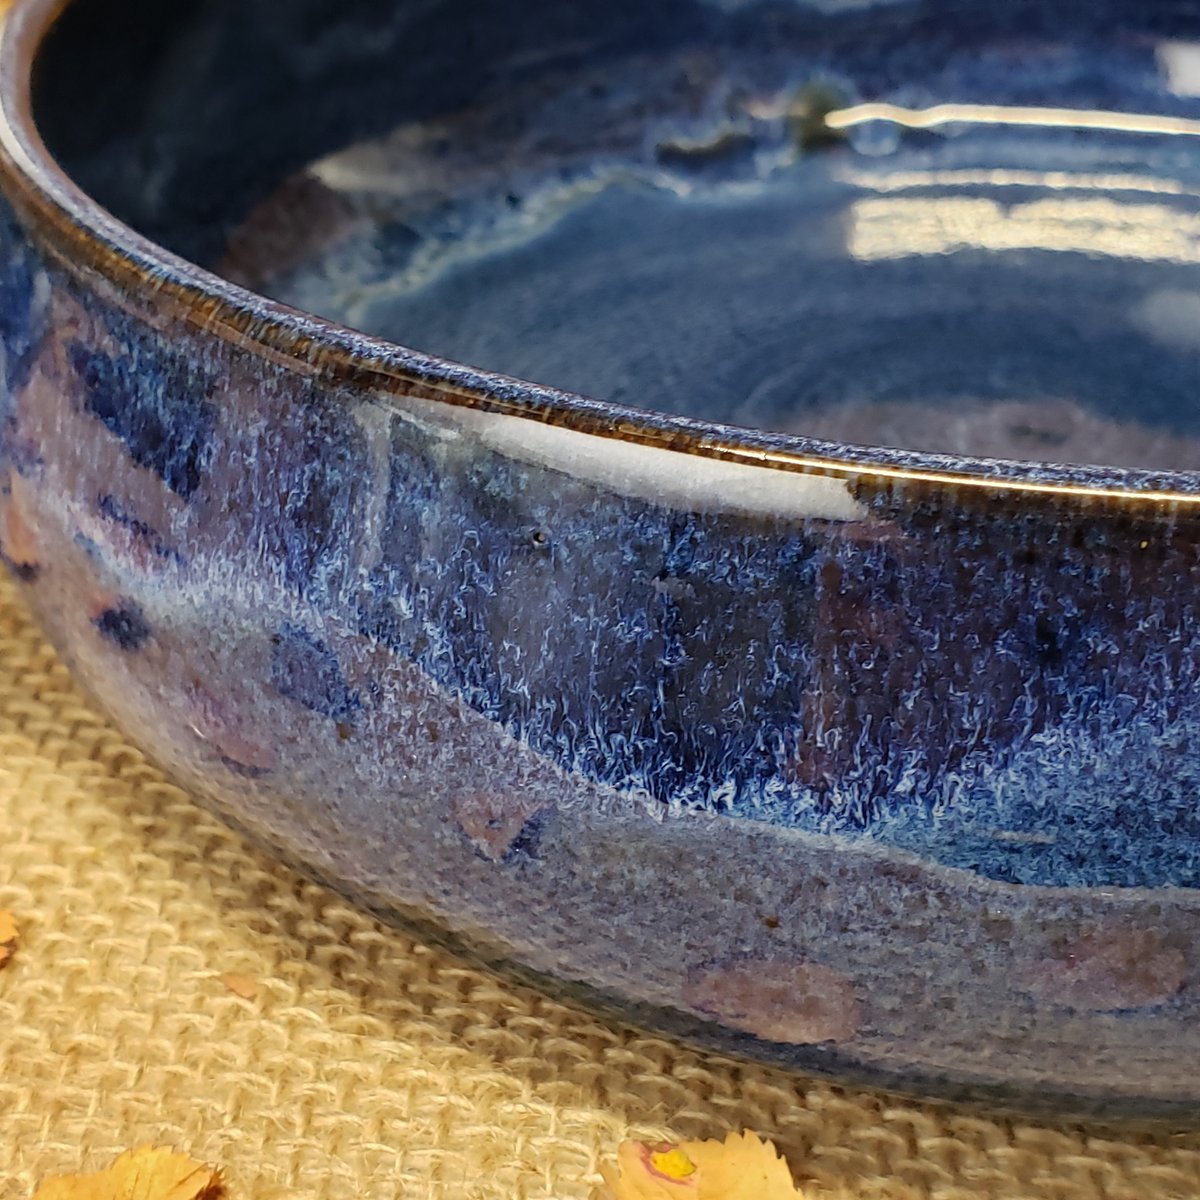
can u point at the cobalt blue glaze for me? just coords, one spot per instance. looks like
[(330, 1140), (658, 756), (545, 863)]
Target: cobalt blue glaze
[(872, 760)]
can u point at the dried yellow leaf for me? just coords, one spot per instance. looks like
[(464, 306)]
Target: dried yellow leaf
[(742, 1167), (8, 936), (143, 1174), (240, 985)]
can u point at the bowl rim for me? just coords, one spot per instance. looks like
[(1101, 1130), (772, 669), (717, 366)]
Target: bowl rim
[(82, 235)]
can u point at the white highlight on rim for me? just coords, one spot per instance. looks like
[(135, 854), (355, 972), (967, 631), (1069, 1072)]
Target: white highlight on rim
[(687, 482)]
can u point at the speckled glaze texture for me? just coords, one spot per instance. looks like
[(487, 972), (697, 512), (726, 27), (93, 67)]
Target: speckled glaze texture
[(880, 765)]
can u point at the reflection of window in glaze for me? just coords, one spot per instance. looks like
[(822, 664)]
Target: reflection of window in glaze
[(1002, 114)]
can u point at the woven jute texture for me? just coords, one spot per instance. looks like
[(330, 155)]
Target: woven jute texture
[(369, 1064)]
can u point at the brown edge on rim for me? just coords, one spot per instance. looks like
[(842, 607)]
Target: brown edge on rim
[(79, 233)]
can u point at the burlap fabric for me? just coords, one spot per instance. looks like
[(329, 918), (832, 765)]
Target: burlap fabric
[(369, 1065)]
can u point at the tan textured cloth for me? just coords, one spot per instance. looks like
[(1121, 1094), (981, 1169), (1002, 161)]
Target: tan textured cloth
[(369, 1065)]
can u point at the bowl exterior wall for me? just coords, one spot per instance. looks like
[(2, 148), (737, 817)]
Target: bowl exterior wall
[(877, 776)]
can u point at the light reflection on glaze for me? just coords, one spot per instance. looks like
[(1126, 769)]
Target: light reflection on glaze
[(893, 228)]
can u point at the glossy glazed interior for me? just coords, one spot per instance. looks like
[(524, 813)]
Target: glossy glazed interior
[(647, 208), (868, 762)]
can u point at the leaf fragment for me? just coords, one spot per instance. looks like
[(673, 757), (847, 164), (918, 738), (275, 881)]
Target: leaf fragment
[(240, 985), (650, 1172), (742, 1167), (148, 1173), (8, 936)]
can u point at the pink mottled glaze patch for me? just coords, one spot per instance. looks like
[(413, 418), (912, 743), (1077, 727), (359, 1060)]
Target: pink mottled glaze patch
[(18, 542), (493, 821), (99, 601), (797, 1002), (217, 723), (1110, 970)]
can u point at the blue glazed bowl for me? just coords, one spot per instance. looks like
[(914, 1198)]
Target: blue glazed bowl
[(828, 691)]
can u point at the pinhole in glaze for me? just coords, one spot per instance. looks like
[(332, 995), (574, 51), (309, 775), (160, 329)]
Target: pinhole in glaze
[(828, 689)]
